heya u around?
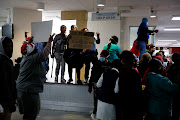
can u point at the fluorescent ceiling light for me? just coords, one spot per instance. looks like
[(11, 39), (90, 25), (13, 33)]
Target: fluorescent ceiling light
[(171, 29), (100, 5), (40, 9), (153, 16), (40, 6), (167, 40), (176, 18), (153, 13)]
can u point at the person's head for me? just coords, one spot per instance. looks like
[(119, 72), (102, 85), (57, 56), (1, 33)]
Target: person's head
[(28, 49), (116, 63), (159, 54), (104, 55), (63, 29), (114, 39), (155, 65), (176, 58), (74, 27), (145, 20), (85, 30), (146, 57), (159, 58), (161, 48), (152, 48), (6, 46), (127, 58)]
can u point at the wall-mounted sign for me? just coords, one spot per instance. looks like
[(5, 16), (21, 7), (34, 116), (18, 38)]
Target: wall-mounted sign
[(105, 16)]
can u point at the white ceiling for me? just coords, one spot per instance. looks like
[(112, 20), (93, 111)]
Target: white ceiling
[(165, 10)]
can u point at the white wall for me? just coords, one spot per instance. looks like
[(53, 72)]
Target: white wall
[(22, 19), (106, 30)]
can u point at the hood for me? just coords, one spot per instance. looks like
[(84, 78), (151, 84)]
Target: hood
[(145, 20), (1, 47)]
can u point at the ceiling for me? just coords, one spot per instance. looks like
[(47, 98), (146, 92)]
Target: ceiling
[(165, 9)]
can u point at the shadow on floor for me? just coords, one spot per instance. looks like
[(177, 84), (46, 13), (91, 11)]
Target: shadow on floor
[(56, 115)]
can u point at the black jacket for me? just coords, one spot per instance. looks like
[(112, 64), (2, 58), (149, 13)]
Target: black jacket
[(7, 82), (106, 93)]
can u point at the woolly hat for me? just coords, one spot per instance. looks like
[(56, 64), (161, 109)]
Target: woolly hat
[(27, 48), (105, 53)]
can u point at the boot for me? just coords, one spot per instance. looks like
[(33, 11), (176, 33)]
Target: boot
[(63, 81), (56, 79), (69, 81), (79, 82), (86, 81)]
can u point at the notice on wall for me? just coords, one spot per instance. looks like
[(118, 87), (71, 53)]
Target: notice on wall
[(81, 40), (105, 16), (41, 31)]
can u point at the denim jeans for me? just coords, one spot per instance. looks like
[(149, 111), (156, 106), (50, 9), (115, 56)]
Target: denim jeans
[(142, 48)]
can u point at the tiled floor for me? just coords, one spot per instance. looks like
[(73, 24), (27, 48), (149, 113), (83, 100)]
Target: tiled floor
[(55, 115)]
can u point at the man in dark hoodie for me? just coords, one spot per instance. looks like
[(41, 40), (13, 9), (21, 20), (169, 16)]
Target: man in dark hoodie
[(7, 86)]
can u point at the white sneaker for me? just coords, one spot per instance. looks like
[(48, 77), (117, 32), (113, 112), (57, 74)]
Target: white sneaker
[(1, 109), (93, 116)]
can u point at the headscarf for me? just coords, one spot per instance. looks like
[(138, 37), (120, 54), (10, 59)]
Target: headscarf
[(27, 48), (143, 24)]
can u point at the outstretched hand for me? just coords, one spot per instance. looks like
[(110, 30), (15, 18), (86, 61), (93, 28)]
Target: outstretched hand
[(51, 37), (97, 33), (156, 31)]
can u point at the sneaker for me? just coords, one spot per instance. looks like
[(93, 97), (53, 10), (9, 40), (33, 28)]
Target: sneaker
[(93, 116), (56, 79), (79, 82), (86, 81), (69, 81), (63, 81)]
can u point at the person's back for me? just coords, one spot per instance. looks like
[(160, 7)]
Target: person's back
[(129, 88), (143, 63), (107, 90), (160, 92), (113, 49)]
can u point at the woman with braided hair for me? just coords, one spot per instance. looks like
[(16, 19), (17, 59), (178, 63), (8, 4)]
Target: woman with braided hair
[(113, 48)]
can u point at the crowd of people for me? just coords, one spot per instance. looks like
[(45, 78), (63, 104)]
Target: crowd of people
[(126, 85)]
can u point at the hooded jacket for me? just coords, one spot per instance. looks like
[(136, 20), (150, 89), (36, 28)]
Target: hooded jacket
[(7, 82), (32, 73), (143, 31)]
